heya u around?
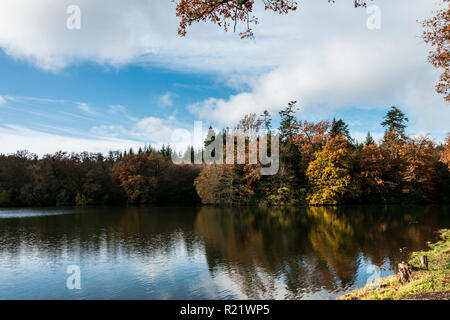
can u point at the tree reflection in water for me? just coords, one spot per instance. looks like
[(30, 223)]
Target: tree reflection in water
[(290, 253), (261, 253)]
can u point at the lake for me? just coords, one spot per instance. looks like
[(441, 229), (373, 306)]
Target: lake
[(207, 252)]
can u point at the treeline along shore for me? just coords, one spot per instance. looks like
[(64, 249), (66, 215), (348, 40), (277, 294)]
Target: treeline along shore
[(320, 164)]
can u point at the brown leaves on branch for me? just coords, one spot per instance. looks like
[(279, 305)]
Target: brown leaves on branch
[(310, 137), (373, 163), (228, 13), (417, 167), (445, 154), (437, 33)]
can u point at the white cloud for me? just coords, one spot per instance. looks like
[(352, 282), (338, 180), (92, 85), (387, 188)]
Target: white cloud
[(145, 32), (373, 74), (13, 138), (118, 33), (322, 55), (84, 107), (166, 99), (154, 130), (151, 130), (102, 138), (342, 64), (147, 129), (2, 100), (44, 121)]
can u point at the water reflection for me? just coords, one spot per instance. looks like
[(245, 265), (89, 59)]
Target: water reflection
[(183, 253)]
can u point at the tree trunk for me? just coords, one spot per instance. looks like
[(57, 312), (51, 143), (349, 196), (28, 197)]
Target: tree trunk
[(424, 262), (404, 272)]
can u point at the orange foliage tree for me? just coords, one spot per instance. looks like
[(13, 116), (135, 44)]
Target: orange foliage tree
[(139, 175), (445, 154), (227, 13), (232, 183), (437, 33), (310, 137), (418, 167), (373, 166)]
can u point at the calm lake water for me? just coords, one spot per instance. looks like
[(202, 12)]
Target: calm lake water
[(207, 252)]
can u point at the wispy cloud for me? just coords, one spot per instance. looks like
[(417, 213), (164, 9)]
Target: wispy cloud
[(84, 107), (2, 100), (166, 99), (14, 137), (154, 130), (108, 131), (327, 63), (120, 110), (117, 108)]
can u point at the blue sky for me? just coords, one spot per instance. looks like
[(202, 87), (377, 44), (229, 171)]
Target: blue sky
[(97, 94), (126, 78)]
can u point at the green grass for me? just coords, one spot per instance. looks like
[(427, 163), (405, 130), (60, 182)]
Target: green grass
[(435, 279)]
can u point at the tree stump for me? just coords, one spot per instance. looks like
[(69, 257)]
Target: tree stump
[(424, 262), (404, 272)]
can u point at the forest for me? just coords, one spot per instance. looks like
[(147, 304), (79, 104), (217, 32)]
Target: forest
[(320, 164)]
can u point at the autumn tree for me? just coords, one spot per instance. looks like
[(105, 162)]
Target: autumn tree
[(445, 154), (236, 181), (228, 13), (437, 34), (216, 184), (154, 178), (329, 174), (443, 170), (418, 167), (289, 178), (394, 137), (140, 175), (310, 137), (14, 174), (373, 165)]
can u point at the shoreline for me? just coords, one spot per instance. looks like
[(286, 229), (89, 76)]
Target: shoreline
[(430, 282)]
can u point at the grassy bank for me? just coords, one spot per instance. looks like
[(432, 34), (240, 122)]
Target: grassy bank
[(431, 283)]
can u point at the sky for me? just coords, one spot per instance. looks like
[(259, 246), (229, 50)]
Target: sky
[(125, 78)]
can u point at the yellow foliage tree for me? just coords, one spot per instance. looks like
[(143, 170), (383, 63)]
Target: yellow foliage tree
[(215, 184), (329, 174)]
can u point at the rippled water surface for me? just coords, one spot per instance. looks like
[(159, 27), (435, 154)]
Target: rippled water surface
[(207, 253)]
